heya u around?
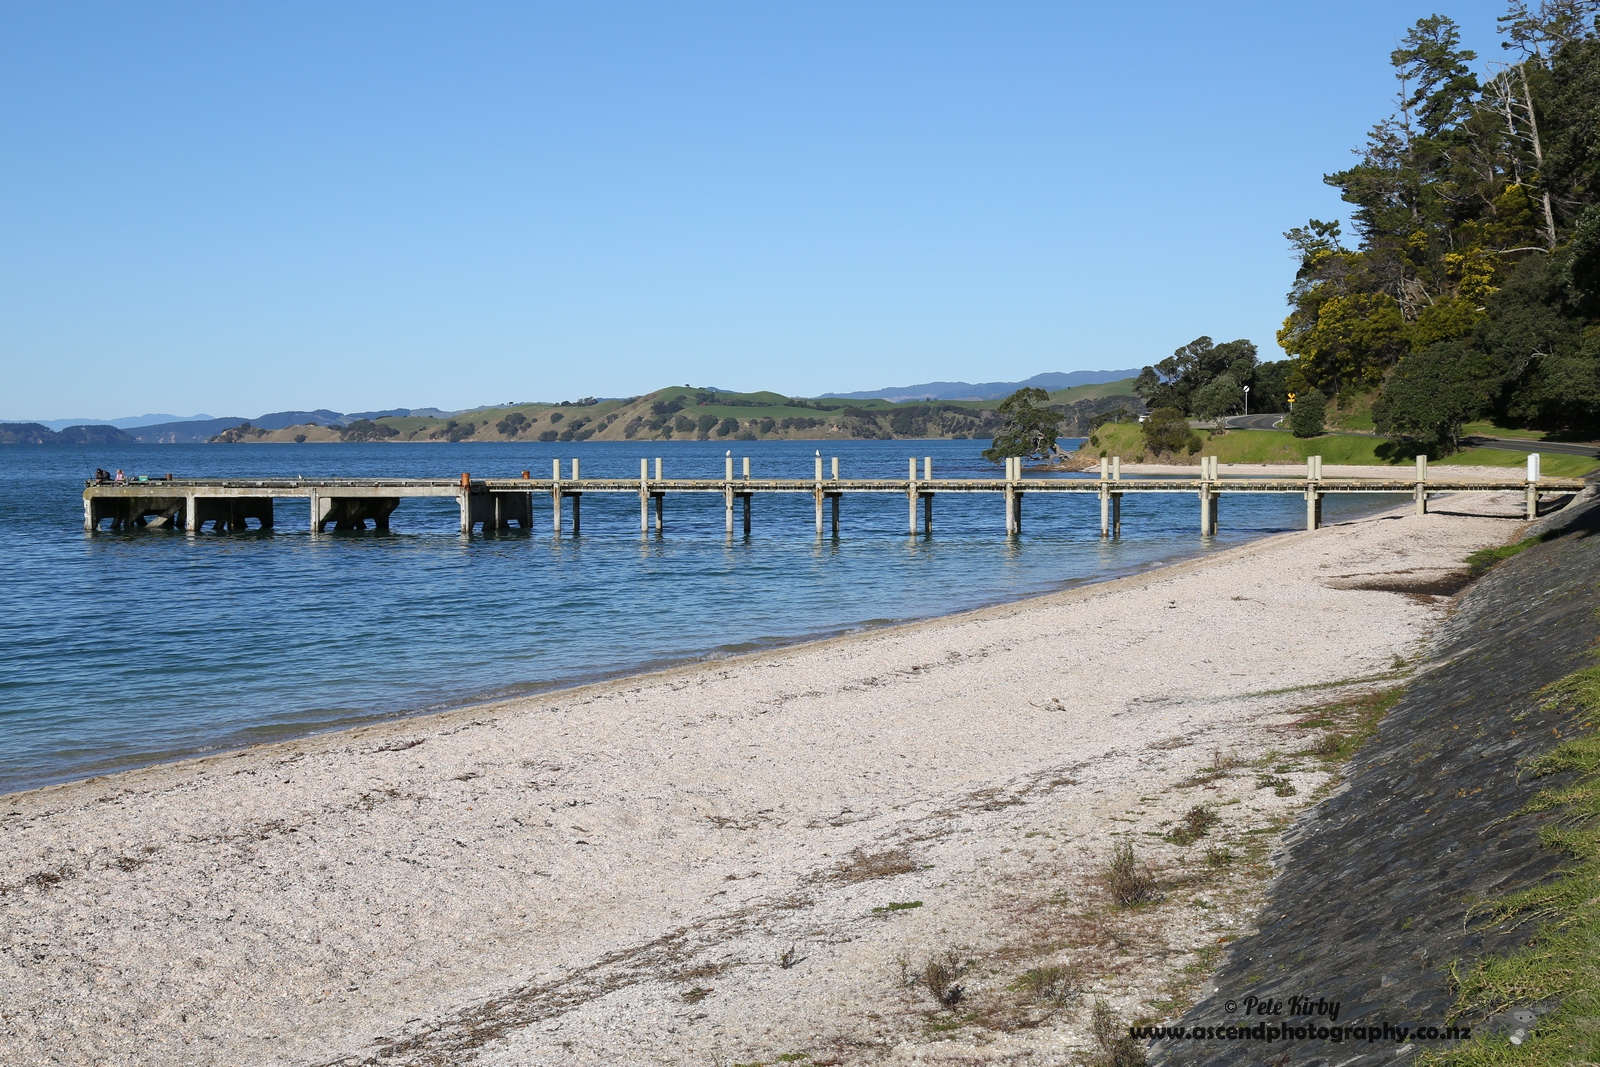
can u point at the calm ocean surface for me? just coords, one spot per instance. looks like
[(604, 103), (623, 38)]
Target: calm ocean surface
[(120, 649)]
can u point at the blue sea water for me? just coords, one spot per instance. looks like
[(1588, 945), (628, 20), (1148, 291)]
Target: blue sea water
[(121, 649)]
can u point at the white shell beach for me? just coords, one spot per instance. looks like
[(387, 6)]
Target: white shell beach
[(683, 867)]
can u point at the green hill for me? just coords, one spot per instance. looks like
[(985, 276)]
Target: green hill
[(684, 413)]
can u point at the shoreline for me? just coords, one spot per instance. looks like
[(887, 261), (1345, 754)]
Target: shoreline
[(612, 873), (562, 687), (288, 733)]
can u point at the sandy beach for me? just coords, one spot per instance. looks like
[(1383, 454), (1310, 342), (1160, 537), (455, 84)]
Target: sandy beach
[(736, 860)]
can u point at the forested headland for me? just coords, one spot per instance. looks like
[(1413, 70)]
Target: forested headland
[(1469, 286)]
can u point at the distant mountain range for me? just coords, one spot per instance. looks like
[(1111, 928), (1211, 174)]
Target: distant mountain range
[(988, 390), (128, 423)]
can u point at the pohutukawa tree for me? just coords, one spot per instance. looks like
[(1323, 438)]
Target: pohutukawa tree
[(1029, 428)]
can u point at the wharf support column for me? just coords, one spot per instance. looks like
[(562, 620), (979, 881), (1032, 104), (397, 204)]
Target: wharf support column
[(911, 498), (496, 510), (345, 512), (1533, 486), (1313, 492)]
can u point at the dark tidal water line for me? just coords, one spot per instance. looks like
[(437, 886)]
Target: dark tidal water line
[(118, 650)]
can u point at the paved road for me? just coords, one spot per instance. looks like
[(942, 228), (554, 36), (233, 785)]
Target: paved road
[(1254, 422)]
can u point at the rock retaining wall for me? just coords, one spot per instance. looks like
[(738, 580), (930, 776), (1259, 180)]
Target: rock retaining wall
[(1371, 904)]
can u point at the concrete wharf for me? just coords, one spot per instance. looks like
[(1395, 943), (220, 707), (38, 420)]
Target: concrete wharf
[(501, 503)]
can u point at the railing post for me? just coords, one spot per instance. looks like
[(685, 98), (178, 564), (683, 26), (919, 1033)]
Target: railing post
[(727, 494), (1533, 486), (835, 468), (1005, 495), (911, 496), (644, 495), (555, 494), (1422, 485), (1105, 498), (816, 493)]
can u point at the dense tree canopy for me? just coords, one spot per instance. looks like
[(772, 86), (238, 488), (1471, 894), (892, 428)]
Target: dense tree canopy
[(1471, 289), (1208, 380), (1028, 427)]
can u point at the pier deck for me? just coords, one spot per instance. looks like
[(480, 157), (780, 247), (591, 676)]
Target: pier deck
[(500, 503)]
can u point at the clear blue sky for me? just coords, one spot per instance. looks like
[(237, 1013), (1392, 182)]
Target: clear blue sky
[(237, 208)]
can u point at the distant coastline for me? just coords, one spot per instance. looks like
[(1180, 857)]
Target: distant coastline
[(674, 413)]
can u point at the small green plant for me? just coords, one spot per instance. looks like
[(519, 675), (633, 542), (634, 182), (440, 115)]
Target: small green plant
[(1221, 763), (1480, 562), (1278, 784), (1193, 826), (1349, 724), (1218, 857), (1048, 985), (789, 957), (899, 905), (1114, 1045), (1127, 879)]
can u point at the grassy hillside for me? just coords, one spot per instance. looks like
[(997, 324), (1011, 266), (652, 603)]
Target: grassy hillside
[(1120, 388), (684, 413)]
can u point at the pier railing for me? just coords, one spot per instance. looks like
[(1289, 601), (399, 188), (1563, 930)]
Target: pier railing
[(501, 503)]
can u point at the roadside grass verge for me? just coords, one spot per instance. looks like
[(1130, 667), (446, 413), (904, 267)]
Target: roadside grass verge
[(1550, 463), (1560, 964), (1489, 429)]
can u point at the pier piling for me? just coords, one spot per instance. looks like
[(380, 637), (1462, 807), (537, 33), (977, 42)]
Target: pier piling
[(911, 497), (555, 493)]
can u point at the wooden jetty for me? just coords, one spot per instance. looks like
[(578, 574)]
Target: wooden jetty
[(501, 503)]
